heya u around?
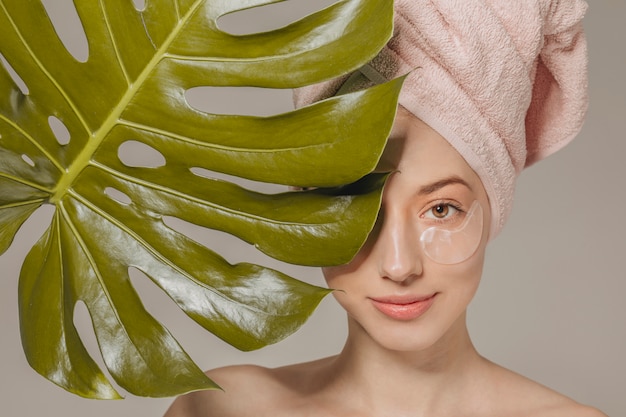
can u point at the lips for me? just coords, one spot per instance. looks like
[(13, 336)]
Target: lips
[(404, 308)]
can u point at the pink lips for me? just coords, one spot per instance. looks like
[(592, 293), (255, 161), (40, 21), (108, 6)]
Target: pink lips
[(402, 308)]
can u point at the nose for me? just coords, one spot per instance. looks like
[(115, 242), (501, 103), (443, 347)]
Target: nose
[(397, 249)]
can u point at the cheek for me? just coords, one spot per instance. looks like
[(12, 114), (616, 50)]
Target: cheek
[(471, 270), (330, 273), (337, 277), (352, 279), (345, 283), (466, 277)]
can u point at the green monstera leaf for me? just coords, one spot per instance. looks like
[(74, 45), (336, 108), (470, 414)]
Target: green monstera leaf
[(109, 215)]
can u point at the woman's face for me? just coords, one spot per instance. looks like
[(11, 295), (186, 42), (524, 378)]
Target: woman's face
[(392, 289)]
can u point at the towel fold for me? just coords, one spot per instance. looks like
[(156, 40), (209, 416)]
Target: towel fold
[(505, 82)]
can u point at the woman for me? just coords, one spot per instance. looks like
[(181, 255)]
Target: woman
[(497, 87)]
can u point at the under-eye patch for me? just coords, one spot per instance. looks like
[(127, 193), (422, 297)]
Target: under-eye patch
[(448, 245)]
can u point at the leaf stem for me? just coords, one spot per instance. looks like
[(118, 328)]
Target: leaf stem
[(85, 157)]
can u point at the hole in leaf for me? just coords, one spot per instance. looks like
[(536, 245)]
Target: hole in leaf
[(68, 26), (251, 101), (60, 130), (139, 155), (228, 246), (261, 187), (269, 17), (14, 75), (155, 300), (233, 249), (117, 195), (165, 311), (139, 4), (84, 326), (28, 160)]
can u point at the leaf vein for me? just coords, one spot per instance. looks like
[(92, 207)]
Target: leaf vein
[(177, 8), (114, 43), (189, 140), (114, 117), (32, 140), (22, 203), (159, 256), (220, 59), (96, 270), (202, 202), (45, 70), (24, 182)]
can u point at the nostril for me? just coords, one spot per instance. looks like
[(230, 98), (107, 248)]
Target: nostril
[(400, 267), (398, 276)]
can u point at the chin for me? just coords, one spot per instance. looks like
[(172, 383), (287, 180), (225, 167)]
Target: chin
[(414, 344), (421, 335)]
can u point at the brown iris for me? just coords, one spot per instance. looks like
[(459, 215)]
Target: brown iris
[(440, 210)]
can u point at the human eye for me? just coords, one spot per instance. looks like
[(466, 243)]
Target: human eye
[(442, 211)]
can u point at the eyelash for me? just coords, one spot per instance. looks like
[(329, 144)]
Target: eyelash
[(455, 206), (446, 219)]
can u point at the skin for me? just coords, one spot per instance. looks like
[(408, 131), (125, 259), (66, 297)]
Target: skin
[(424, 366)]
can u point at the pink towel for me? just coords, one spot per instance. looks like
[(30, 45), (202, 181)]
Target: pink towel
[(504, 81)]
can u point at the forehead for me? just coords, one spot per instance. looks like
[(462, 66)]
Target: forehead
[(414, 148)]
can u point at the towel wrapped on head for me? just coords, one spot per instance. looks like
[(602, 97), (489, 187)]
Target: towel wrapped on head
[(505, 82)]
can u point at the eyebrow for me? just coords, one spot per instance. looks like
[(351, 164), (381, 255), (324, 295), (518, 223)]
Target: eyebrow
[(438, 185)]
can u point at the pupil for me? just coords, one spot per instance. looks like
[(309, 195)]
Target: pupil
[(441, 210)]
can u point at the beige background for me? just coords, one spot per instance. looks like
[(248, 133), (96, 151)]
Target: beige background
[(551, 305)]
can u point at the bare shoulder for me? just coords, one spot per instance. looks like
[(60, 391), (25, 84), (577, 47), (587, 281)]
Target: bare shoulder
[(240, 386), (247, 390), (579, 410), (571, 409), (525, 397)]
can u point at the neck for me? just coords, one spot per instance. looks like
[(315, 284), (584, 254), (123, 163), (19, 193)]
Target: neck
[(401, 381)]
